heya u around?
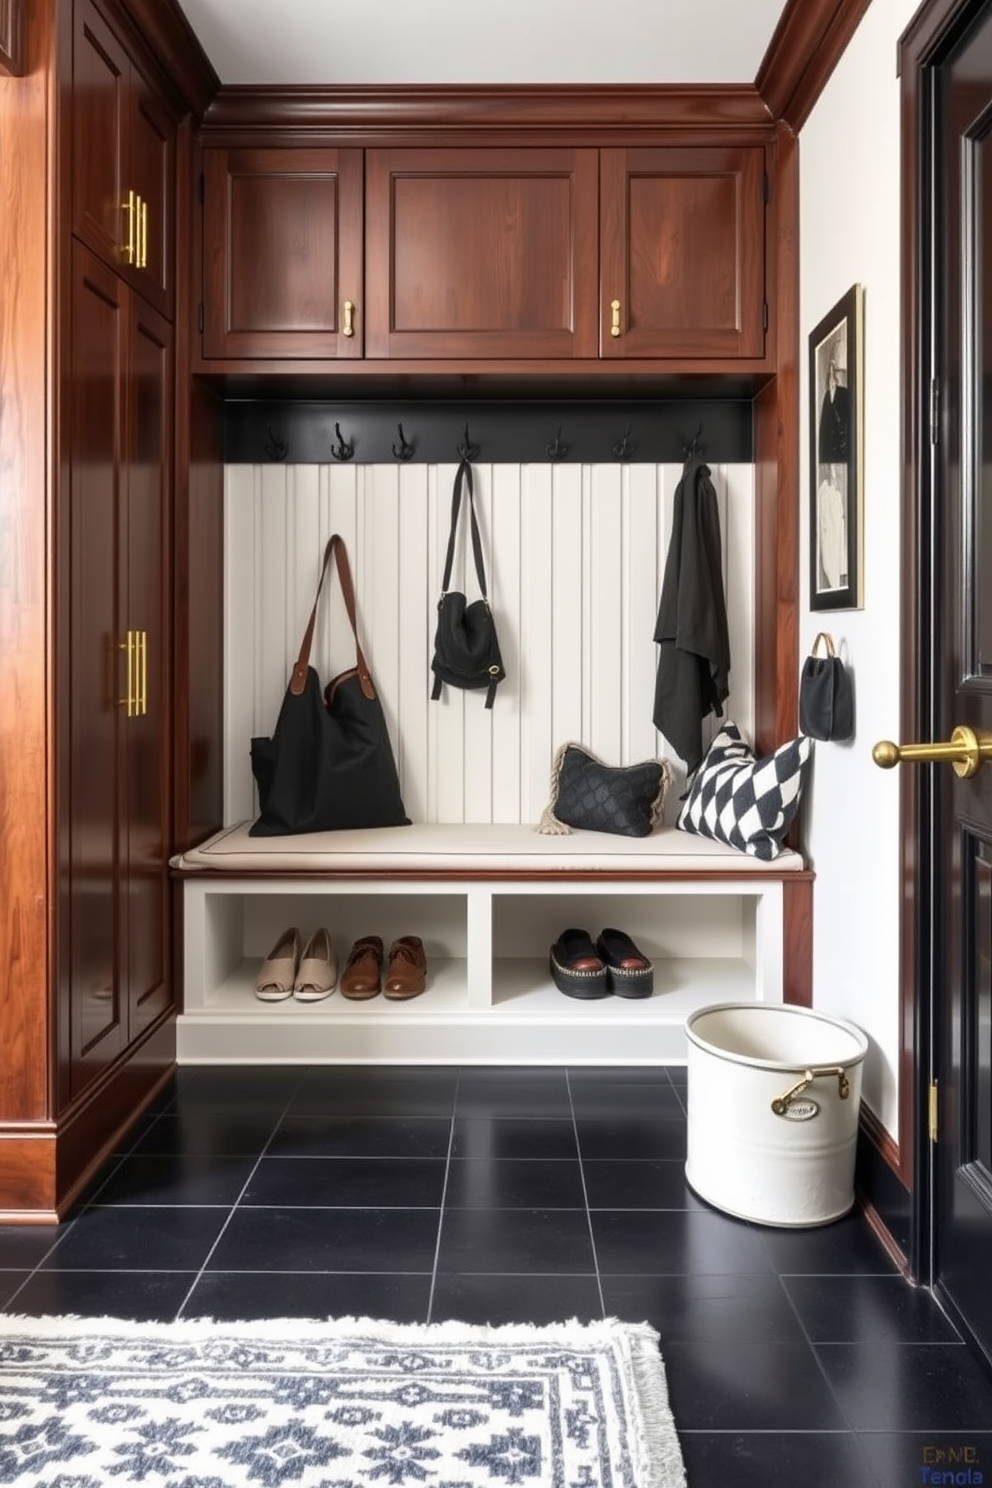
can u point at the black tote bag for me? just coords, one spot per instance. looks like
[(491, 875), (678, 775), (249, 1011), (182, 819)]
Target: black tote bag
[(329, 764)]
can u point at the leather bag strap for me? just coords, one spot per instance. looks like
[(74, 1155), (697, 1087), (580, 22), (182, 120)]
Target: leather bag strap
[(463, 475), (828, 641), (335, 548)]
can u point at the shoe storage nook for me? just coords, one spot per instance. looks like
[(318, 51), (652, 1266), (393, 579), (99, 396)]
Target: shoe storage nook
[(211, 295), (488, 904)]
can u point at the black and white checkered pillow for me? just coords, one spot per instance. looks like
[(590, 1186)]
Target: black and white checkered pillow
[(746, 802)]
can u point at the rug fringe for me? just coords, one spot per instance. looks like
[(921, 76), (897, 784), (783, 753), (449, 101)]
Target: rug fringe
[(445, 1332)]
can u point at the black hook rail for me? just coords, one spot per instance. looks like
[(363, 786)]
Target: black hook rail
[(436, 432)]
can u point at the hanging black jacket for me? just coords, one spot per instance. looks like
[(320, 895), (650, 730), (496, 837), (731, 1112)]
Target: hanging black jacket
[(694, 661)]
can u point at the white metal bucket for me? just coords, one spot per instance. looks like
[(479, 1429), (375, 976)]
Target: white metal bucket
[(774, 1094)]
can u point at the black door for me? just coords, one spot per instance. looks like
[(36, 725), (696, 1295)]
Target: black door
[(962, 633)]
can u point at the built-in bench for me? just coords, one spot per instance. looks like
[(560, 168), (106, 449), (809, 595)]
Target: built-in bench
[(488, 902)]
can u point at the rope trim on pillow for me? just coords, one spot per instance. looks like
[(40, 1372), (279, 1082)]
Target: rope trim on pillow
[(550, 825)]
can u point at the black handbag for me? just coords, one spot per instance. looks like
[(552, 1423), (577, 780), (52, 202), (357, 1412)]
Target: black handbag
[(329, 764), (466, 647), (826, 694)]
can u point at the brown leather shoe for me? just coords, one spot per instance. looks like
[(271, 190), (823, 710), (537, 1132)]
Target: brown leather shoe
[(406, 975), (363, 969)]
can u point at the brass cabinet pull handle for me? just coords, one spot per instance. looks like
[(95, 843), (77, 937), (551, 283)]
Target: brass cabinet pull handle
[(615, 317), (142, 234), (142, 707), (965, 750), (128, 207), (348, 329), (129, 701)]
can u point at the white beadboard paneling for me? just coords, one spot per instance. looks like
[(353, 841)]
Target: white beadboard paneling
[(568, 575), (737, 484), (602, 676), (415, 635), (641, 591), (574, 560), (535, 685), (505, 584)]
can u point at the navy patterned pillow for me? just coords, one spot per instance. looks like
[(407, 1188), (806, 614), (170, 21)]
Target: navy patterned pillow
[(745, 802), (593, 797)]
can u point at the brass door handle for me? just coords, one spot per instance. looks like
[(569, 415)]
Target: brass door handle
[(349, 318), (966, 751), (614, 317)]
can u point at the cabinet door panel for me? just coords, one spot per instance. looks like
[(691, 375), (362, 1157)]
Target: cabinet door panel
[(91, 975), (481, 253), (100, 70), (683, 252), (145, 545), (152, 156), (282, 253)]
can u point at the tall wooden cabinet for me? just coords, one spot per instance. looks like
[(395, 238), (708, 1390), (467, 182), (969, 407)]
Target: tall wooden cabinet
[(114, 743), (114, 518), (88, 438)]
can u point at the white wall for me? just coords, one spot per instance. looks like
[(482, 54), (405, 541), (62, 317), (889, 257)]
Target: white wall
[(574, 559), (849, 233)]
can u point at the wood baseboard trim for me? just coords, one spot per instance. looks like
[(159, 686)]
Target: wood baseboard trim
[(883, 1143), (885, 1237)]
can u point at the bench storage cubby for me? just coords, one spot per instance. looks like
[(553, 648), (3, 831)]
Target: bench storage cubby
[(488, 902)]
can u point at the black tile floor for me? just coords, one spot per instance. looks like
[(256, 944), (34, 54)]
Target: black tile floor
[(522, 1195)]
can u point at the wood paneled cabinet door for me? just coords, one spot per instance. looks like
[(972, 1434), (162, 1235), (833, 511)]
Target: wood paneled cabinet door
[(481, 253), (123, 159), (282, 253), (114, 930), (682, 249)]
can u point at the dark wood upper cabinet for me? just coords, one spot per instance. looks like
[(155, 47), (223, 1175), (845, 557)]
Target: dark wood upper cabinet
[(123, 160), (683, 252), (511, 254), (481, 253), (282, 259)]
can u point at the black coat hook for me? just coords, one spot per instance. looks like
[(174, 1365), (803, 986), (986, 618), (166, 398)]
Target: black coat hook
[(625, 447), (468, 450), (405, 450), (690, 451), (345, 448), (276, 449), (557, 450)]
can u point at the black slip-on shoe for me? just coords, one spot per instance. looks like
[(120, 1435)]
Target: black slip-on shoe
[(629, 972), (576, 967)]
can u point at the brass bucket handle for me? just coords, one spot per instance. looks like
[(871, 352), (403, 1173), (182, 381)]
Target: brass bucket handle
[(781, 1103)]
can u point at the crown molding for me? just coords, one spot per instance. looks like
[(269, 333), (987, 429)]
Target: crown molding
[(807, 44)]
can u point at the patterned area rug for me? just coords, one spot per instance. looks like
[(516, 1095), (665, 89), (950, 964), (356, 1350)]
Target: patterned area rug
[(349, 1403)]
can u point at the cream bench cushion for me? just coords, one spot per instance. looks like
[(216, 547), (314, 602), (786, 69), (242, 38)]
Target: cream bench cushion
[(468, 850)]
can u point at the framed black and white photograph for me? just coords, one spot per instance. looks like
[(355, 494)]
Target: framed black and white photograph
[(836, 421)]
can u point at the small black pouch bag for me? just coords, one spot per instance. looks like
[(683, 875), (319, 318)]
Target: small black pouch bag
[(466, 647), (826, 695)]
